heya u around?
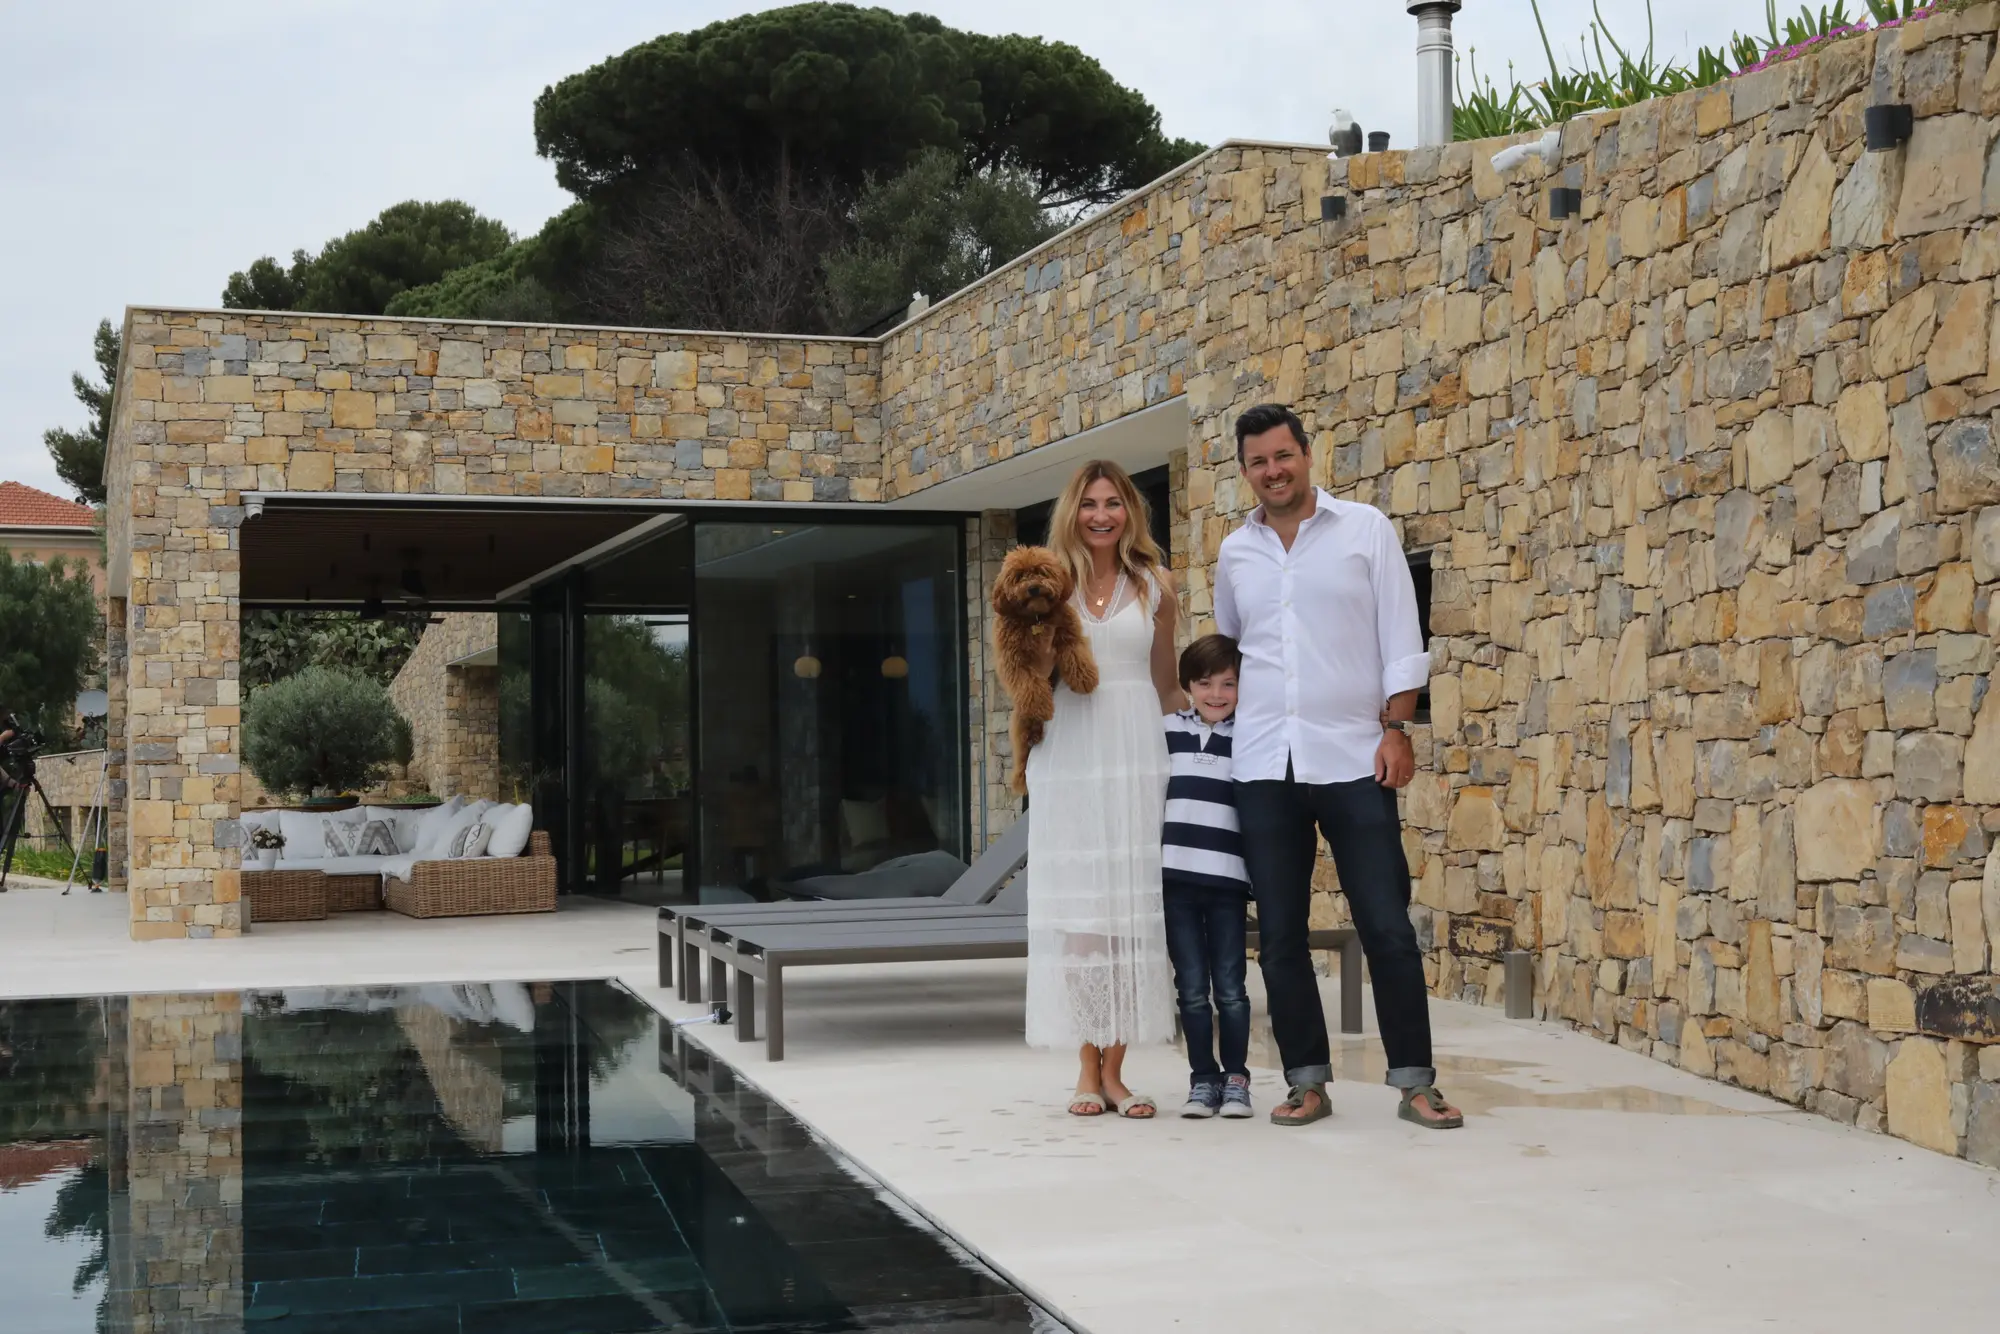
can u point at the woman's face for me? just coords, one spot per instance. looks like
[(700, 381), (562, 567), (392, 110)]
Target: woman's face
[(1100, 519)]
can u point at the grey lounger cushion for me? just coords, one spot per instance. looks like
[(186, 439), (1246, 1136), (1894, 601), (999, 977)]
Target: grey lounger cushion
[(920, 875)]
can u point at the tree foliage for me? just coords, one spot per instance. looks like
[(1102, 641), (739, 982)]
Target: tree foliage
[(723, 173), (278, 644), (831, 91), (408, 245), (50, 630), (726, 170), (932, 229), (323, 730), (79, 455)]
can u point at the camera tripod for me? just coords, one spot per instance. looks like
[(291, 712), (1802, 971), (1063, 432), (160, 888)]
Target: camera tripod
[(28, 784)]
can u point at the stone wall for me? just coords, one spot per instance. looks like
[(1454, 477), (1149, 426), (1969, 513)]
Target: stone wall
[(1705, 476), (73, 782), (454, 711), (178, 1263), (213, 404)]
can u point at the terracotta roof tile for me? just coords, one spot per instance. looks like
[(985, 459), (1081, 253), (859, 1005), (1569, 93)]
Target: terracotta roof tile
[(24, 506)]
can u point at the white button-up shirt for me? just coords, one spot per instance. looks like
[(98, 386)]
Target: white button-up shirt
[(1328, 631)]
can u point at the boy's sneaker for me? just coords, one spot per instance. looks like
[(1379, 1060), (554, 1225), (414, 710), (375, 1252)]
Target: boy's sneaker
[(1204, 1101), (1236, 1097)]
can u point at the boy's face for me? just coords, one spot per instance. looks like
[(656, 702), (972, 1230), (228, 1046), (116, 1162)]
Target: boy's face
[(1214, 696)]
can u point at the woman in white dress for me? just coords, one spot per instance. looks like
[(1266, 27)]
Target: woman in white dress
[(1098, 973)]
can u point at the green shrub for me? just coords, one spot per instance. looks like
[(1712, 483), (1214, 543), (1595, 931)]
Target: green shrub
[(324, 730)]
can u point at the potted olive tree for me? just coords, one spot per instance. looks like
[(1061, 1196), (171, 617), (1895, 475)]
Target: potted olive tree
[(322, 734)]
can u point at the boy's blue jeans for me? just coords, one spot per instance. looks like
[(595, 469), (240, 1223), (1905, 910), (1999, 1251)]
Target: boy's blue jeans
[(1205, 929)]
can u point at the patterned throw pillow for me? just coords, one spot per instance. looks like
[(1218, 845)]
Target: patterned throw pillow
[(371, 839), (470, 841), (341, 837), (378, 839)]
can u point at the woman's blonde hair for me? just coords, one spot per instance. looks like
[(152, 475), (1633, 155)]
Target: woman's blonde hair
[(1138, 555)]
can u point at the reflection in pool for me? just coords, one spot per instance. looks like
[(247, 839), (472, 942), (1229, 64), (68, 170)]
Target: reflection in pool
[(512, 1158)]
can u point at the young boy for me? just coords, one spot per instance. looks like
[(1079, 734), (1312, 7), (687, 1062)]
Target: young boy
[(1206, 884)]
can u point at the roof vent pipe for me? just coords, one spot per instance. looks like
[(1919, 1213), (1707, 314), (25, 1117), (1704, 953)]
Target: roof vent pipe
[(1433, 69)]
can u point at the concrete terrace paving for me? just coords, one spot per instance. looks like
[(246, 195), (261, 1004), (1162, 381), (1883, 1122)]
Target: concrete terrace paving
[(1592, 1189)]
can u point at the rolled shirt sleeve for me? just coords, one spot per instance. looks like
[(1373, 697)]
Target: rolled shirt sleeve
[(1227, 620), (1406, 664)]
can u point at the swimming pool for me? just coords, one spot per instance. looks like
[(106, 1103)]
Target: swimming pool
[(504, 1158)]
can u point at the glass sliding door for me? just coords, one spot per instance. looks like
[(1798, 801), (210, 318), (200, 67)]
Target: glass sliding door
[(636, 793), (829, 670), (724, 708)]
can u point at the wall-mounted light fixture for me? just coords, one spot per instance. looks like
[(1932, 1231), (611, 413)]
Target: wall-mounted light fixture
[(806, 667), (1886, 126), (895, 667), (1565, 201), (1332, 208)]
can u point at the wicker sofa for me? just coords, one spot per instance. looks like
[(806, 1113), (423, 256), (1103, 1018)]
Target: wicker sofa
[(477, 886), (421, 883)]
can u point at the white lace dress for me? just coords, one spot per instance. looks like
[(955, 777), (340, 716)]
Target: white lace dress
[(1098, 970)]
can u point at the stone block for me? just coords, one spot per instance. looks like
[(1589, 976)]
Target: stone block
[(1857, 1062), (1799, 231), (1892, 1006), (1864, 205), (1864, 940), (459, 359), (1968, 468), (1861, 415), (1944, 166), (354, 409), (1919, 1095), (1837, 829), (1927, 767), (1476, 821), (1959, 348), (1965, 1008), (1982, 755)]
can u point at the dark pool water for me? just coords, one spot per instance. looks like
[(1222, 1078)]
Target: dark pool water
[(512, 1158)]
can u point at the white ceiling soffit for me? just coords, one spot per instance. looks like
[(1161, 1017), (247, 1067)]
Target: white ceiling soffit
[(1136, 442)]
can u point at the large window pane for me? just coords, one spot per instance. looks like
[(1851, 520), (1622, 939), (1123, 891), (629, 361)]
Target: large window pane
[(637, 762), (829, 688)]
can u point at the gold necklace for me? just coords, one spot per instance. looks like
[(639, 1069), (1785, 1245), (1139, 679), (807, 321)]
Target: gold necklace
[(1097, 603)]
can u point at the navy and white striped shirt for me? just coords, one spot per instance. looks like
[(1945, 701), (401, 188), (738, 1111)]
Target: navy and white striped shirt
[(1201, 844)]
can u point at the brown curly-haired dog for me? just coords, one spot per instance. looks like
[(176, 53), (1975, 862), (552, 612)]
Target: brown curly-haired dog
[(1030, 605)]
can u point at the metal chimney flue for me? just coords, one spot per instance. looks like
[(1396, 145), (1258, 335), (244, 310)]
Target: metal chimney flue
[(1433, 69)]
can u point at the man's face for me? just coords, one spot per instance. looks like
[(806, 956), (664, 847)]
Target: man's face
[(1276, 466)]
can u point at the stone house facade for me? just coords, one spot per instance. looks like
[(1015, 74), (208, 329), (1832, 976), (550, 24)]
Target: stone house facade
[(1706, 477)]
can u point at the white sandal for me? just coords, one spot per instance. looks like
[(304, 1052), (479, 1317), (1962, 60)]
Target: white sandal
[(1093, 1103), (1124, 1109)]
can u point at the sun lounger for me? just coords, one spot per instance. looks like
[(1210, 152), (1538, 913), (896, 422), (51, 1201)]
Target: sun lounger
[(765, 950), (980, 883)]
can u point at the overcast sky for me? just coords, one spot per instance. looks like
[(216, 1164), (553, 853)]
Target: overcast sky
[(151, 149)]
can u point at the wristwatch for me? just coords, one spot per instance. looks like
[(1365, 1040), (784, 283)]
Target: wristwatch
[(1396, 725)]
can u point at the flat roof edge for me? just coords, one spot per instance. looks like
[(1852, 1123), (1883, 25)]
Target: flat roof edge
[(226, 313), (257, 500)]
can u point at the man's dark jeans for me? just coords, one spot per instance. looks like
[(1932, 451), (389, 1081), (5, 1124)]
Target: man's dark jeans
[(1205, 930), (1364, 832)]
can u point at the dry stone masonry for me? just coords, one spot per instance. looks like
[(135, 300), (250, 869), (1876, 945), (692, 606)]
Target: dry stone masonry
[(1707, 478)]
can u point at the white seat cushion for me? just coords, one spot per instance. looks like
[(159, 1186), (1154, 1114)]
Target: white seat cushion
[(439, 843), (398, 866), (435, 831), (511, 826)]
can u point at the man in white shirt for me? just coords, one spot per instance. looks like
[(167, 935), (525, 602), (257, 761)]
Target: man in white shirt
[(1318, 595)]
